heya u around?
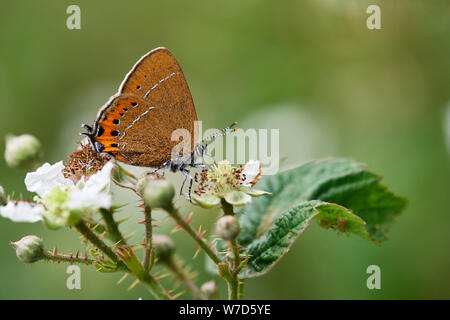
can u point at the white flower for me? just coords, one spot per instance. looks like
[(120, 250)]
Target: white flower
[(61, 202), (22, 211), (234, 185)]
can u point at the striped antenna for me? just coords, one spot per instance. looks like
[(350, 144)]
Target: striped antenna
[(221, 133)]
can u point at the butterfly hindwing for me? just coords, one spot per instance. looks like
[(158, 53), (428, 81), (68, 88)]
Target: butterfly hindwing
[(154, 100)]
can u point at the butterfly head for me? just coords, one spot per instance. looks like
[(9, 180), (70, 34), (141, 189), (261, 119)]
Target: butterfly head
[(91, 134)]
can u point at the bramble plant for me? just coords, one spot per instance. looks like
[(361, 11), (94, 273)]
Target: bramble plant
[(256, 230)]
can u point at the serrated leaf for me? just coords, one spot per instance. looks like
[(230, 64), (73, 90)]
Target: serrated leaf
[(342, 194)]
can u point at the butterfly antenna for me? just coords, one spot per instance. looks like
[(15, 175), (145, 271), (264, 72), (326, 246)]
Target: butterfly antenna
[(221, 133), (89, 130)]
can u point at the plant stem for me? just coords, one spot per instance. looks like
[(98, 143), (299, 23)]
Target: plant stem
[(154, 287), (57, 257), (133, 264), (186, 227), (227, 208), (240, 294), (237, 259), (232, 280), (92, 237), (235, 285), (148, 237), (112, 228), (173, 266)]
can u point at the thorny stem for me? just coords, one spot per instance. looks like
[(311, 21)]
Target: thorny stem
[(57, 257), (148, 237), (232, 280), (112, 228), (186, 227), (235, 285), (154, 287), (236, 254), (92, 237), (130, 259), (173, 266)]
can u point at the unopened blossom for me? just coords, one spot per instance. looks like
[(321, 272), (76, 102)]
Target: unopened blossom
[(22, 151), (29, 249), (234, 185)]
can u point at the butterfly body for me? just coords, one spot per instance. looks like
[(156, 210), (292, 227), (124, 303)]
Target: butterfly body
[(136, 125)]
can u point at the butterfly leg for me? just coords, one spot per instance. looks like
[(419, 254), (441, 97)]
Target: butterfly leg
[(163, 167), (190, 189), (182, 185), (187, 176)]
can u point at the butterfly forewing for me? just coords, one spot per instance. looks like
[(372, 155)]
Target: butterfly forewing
[(154, 100)]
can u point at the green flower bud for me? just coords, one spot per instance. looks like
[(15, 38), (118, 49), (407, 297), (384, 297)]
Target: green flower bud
[(58, 214), (209, 290), (29, 249), (228, 228), (157, 192), (163, 246), (3, 197), (22, 151)]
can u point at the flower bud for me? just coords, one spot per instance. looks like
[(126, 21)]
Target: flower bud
[(3, 197), (228, 228), (157, 192), (163, 246), (29, 249), (209, 290), (22, 151)]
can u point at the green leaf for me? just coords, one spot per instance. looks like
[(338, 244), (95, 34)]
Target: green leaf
[(265, 251), (341, 194)]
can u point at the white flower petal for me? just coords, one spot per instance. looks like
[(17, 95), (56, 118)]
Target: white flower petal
[(238, 198), (46, 178), (22, 211), (206, 201), (257, 193), (101, 180), (82, 198), (94, 192), (252, 172)]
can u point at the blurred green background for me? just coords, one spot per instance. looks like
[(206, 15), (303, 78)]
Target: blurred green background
[(310, 68)]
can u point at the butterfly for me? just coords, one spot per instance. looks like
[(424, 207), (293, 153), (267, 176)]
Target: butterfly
[(135, 126)]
